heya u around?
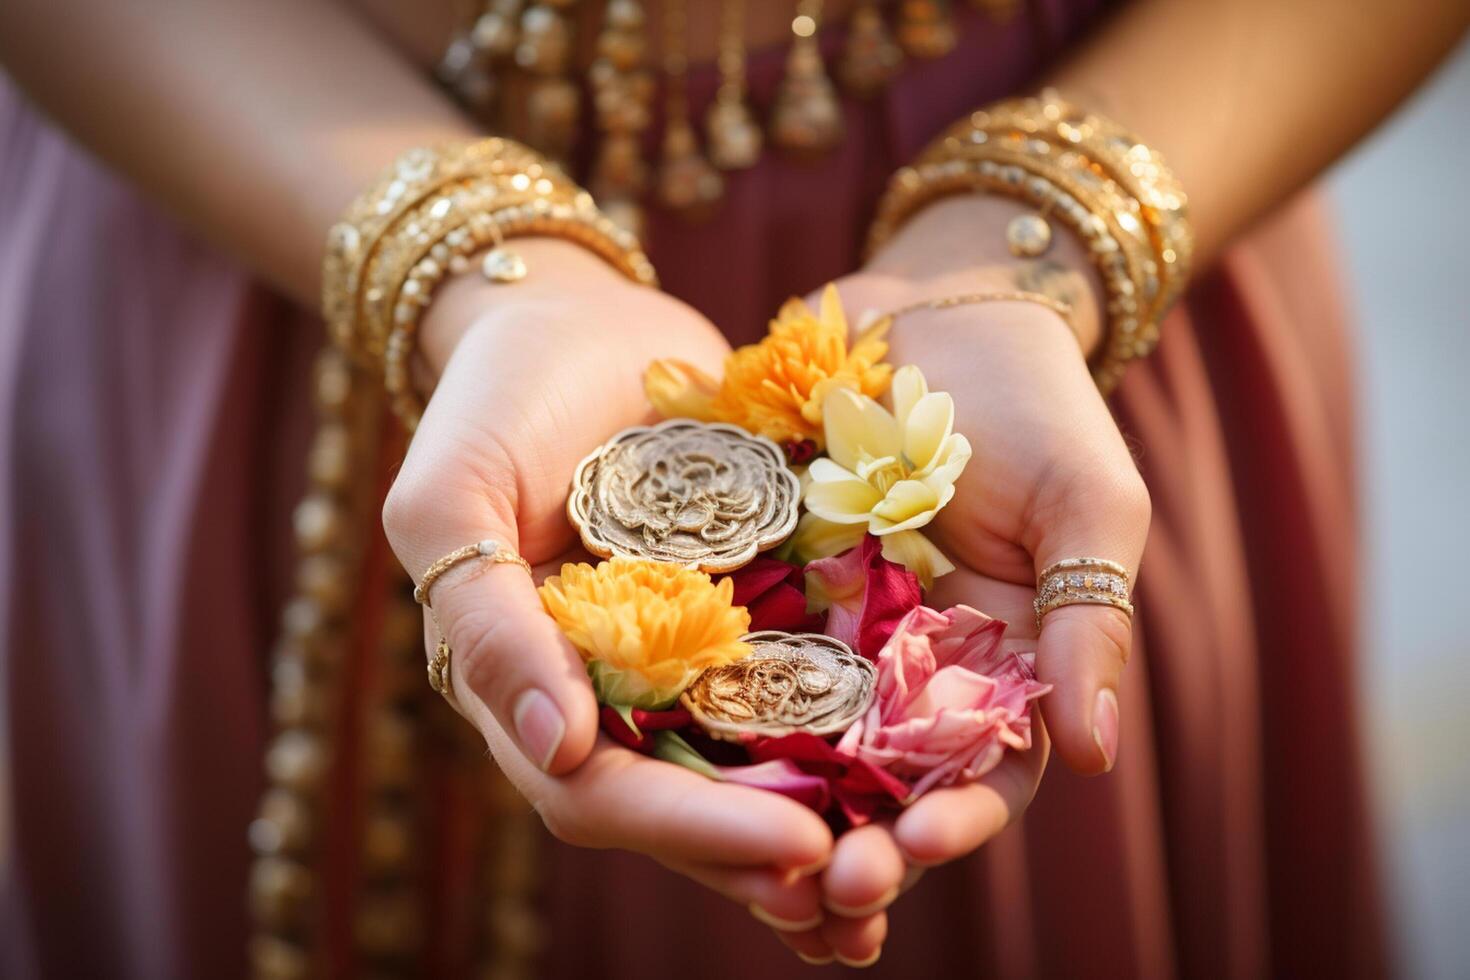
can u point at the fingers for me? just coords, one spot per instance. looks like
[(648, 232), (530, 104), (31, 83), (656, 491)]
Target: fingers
[(856, 942), (620, 799), (866, 873), (1083, 648), (945, 824), (786, 903)]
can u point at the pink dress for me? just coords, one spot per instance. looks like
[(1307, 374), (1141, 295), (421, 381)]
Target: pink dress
[(153, 420)]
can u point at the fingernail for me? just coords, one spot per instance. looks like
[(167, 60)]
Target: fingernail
[(785, 925), (1105, 725), (815, 960), (539, 726), (848, 912), (793, 875), (861, 964)]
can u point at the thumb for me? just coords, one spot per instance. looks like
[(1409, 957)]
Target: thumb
[(508, 663), (508, 660), (1083, 646)]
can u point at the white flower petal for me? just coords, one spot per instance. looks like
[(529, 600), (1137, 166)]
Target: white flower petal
[(908, 386), (926, 427), (823, 470), (816, 538), (950, 461), (842, 502), (908, 504), (918, 554), (858, 427)]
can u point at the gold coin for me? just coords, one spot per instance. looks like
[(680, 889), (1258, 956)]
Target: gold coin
[(703, 495), (790, 682)]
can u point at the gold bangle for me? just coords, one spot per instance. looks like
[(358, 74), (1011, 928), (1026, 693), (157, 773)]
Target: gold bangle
[(424, 219), (1110, 189), (489, 550), (415, 175)]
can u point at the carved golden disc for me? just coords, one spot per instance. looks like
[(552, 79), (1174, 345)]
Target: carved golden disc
[(790, 682), (704, 495)]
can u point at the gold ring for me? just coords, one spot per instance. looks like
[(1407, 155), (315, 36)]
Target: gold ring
[(490, 550), (1082, 581)]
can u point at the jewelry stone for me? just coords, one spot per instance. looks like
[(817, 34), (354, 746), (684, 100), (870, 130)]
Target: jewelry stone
[(503, 265), (1028, 235)]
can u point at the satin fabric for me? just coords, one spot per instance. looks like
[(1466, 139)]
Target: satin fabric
[(153, 421)]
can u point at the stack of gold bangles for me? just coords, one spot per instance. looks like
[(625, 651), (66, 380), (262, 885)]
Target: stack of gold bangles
[(1108, 188), (424, 219)]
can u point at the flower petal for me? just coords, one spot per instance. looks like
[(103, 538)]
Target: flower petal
[(918, 554), (679, 390), (857, 426), (842, 501), (908, 387), (816, 538), (908, 504), (926, 427)]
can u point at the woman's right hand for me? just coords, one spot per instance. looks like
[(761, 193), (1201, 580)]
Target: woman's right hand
[(530, 377)]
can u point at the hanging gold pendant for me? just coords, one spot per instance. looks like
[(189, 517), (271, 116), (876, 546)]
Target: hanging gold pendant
[(734, 138), (807, 115), (926, 29), (872, 57), (553, 103), (687, 182)]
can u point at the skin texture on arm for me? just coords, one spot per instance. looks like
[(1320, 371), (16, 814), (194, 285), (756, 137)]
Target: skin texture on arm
[(256, 123), (1248, 100)]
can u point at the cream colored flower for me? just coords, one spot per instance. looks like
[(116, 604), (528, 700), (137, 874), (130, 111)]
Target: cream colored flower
[(886, 472)]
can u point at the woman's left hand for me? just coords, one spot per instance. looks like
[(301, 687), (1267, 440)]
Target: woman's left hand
[(1051, 478)]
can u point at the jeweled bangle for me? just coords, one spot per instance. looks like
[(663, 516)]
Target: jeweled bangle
[(424, 219), (577, 221), (1120, 258), (414, 176), (1108, 181)]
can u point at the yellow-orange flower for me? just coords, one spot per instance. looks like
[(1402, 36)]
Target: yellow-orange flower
[(775, 388), (645, 629)]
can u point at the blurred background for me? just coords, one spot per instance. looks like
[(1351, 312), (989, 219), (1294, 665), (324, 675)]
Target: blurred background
[(1405, 220)]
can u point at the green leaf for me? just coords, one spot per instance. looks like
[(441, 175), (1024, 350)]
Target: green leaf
[(671, 747)]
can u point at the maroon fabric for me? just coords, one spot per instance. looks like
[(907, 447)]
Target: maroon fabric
[(152, 419)]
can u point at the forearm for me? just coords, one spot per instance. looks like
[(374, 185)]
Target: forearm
[(1248, 100), (255, 122)]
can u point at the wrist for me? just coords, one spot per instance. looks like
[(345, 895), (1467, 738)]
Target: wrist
[(560, 275), (958, 245)]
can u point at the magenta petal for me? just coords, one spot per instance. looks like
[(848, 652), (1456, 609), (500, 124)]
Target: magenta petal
[(782, 776), (772, 592), (868, 594)]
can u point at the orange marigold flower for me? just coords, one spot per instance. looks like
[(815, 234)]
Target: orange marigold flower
[(646, 629), (775, 388)]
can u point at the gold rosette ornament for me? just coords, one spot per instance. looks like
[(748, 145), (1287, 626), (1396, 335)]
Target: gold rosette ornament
[(700, 495), (791, 682), (644, 629)]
